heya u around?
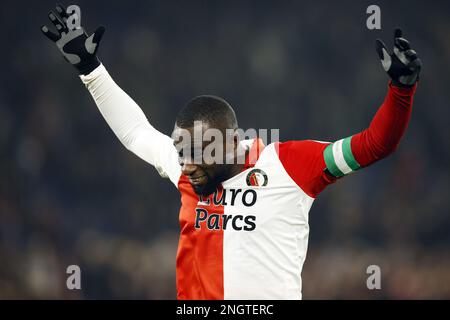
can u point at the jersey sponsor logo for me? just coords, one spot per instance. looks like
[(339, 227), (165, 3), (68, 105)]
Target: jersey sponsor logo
[(257, 178), (229, 196), (215, 221)]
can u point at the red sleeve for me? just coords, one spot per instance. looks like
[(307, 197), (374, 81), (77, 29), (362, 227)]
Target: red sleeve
[(313, 165), (387, 127), (303, 161)]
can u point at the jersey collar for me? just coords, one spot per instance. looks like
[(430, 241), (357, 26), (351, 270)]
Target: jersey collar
[(256, 147)]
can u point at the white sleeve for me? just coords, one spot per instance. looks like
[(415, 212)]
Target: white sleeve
[(131, 126)]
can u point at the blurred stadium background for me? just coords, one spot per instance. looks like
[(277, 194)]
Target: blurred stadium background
[(71, 194)]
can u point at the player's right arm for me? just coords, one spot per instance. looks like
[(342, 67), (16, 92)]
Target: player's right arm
[(121, 113), (130, 124)]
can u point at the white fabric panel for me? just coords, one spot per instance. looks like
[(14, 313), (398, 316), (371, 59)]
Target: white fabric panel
[(266, 263)]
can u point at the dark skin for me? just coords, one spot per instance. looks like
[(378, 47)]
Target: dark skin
[(205, 177)]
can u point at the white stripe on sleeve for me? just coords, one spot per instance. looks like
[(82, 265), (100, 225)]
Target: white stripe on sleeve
[(339, 157)]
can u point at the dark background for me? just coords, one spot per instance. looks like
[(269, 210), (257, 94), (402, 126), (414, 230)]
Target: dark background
[(71, 194)]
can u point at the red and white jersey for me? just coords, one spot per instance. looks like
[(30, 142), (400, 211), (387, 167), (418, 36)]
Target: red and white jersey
[(249, 239)]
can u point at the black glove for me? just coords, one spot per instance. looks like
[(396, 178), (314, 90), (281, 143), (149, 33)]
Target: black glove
[(77, 48), (403, 66)]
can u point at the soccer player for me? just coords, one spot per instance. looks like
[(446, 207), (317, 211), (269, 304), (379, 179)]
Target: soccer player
[(244, 224)]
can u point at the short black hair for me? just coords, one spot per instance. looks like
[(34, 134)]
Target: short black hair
[(217, 112)]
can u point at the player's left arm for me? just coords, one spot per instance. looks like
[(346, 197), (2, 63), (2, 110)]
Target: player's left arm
[(313, 165), (389, 124)]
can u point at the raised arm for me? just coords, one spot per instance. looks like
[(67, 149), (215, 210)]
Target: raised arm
[(121, 113), (376, 142), (130, 125), (314, 165), (389, 123)]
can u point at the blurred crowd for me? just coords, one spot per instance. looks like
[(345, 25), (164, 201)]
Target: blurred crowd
[(71, 194)]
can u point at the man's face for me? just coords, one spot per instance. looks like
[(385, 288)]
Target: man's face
[(202, 154)]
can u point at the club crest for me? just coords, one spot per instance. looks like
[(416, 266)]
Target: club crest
[(257, 178)]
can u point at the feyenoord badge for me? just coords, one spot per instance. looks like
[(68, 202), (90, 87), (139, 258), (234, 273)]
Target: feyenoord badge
[(257, 178)]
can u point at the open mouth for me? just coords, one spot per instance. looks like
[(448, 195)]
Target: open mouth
[(197, 180)]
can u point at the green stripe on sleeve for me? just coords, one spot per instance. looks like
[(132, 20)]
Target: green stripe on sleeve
[(348, 155), (329, 161)]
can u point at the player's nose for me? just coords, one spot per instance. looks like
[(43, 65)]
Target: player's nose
[(188, 168)]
